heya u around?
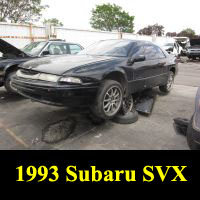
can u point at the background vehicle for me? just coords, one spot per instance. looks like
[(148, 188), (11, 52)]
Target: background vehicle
[(193, 132), (183, 42), (193, 51), (98, 77), (12, 56), (173, 48)]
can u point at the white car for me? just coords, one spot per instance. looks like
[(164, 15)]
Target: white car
[(173, 48)]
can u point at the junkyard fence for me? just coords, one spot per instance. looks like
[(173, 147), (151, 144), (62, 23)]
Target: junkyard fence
[(19, 35)]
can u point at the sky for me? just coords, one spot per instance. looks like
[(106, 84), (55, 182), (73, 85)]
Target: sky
[(174, 15)]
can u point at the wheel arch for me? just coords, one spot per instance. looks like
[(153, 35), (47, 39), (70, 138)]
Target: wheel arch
[(119, 76), (173, 69), (10, 68)]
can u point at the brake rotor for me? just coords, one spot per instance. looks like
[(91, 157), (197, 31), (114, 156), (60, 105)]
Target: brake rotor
[(127, 104)]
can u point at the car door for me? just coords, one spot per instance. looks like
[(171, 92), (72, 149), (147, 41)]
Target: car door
[(155, 71), (139, 75)]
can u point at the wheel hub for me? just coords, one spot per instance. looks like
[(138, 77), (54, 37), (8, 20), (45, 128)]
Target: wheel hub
[(112, 101)]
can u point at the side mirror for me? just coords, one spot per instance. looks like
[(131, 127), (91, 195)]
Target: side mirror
[(45, 53), (134, 59), (139, 58)]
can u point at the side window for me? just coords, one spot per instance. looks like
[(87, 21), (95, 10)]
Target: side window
[(58, 49), (137, 51), (153, 52), (160, 53), (74, 48)]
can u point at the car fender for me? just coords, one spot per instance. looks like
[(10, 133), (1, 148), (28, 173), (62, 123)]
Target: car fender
[(122, 72), (119, 70), (10, 67)]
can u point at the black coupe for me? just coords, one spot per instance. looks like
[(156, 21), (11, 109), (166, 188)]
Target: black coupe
[(98, 77)]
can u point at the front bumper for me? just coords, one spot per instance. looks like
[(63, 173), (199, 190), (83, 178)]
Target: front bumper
[(54, 94)]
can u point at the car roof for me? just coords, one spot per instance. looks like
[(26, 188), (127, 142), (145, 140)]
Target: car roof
[(138, 41), (61, 41), (55, 41)]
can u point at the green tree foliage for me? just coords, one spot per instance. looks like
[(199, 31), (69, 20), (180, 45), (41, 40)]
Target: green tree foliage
[(109, 17), (152, 29), (20, 11), (53, 21), (187, 33)]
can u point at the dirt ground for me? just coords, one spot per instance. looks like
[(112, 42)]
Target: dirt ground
[(23, 123)]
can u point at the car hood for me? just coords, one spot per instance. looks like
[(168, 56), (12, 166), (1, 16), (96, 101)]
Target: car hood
[(8, 49), (58, 65)]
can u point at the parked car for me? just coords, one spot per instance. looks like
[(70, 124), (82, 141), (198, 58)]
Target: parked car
[(193, 51), (183, 42), (193, 132), (97, 77), (13, 56)]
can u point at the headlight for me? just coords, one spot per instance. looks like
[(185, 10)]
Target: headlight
[(71, 80), (48, 77), (39, 76)]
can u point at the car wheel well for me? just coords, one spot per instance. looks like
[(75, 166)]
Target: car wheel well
[(173, 70), (116, 76), (11, 69)]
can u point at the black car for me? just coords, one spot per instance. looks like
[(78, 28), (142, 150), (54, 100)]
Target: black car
[(193, 132), (193, 51), (98, 77), (12, 57)]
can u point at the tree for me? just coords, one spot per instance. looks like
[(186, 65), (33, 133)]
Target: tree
[(20, 11), (53, 21), (152, 29), (187, 33), (109, 17)]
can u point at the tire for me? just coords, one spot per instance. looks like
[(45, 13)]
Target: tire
[(7, 83), (107, 99), (129, 118), (169, 86), (190, 137)]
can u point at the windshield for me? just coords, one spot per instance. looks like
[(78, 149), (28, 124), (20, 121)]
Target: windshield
[(116, 48), (34, 48)]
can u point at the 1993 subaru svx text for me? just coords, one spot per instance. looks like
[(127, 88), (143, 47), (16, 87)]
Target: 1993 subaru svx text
[(98, 77)]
